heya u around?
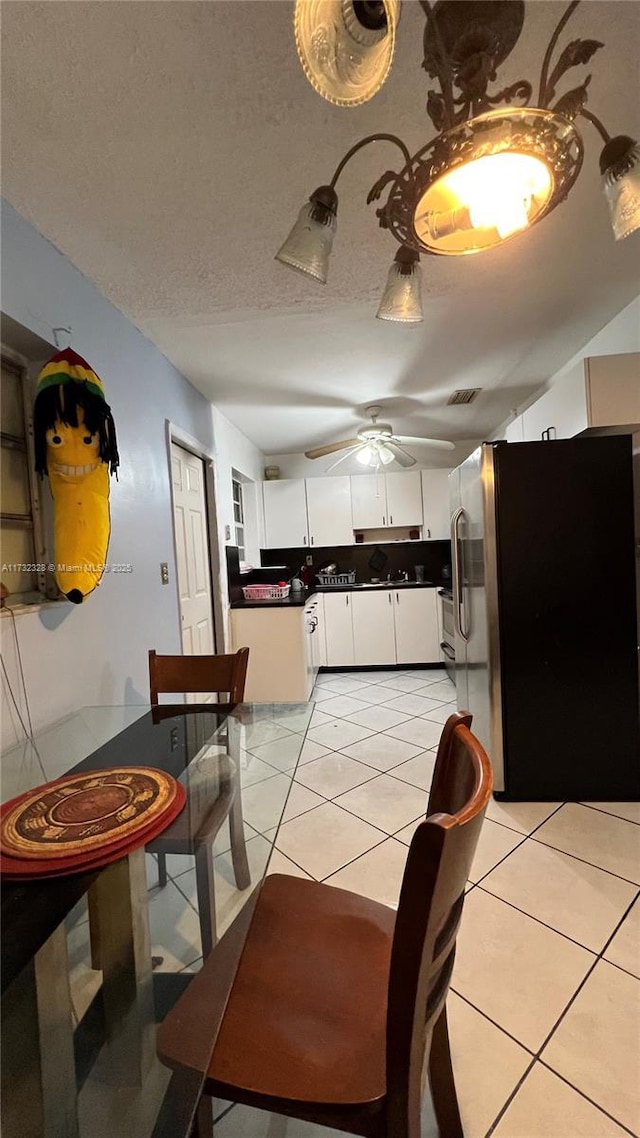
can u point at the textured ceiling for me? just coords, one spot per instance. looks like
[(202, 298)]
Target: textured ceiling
[(165, 148)]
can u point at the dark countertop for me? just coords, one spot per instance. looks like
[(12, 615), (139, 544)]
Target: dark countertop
[(299, 600)]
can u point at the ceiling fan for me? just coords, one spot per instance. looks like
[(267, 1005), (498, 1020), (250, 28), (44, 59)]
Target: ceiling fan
[(377, 445)]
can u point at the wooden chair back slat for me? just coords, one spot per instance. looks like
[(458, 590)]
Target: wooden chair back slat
[(225, 673), (429, 911)]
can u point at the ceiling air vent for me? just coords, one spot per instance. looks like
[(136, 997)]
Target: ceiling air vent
[(465, 395)]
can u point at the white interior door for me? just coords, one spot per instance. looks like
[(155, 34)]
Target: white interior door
[(192, 552)]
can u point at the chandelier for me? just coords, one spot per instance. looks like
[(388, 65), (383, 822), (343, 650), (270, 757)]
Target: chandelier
[(501, 159)]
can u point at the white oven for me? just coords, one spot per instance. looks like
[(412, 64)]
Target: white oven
[(448, 642)]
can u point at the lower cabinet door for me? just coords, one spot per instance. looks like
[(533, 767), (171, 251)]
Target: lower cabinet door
[(338, 629), (373, 627), (416, 622)]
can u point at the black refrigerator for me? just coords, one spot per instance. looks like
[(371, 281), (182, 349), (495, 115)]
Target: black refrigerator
[(544, 555)]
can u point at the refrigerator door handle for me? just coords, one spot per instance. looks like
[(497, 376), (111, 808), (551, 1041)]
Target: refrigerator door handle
[(457, 572)]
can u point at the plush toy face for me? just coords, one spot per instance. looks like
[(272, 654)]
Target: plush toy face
[(72, 451)]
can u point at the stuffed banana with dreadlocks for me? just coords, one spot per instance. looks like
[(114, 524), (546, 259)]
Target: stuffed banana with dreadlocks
[(75, 445)]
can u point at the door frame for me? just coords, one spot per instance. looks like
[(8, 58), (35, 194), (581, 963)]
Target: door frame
[(175, 434)]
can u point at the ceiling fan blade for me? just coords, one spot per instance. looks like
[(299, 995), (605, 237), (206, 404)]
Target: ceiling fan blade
[(347, 454), (437, 444), (402, 457), (331, 448)]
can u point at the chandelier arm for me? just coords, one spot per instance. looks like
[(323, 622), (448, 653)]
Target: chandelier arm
[(365, 142), (445, 73), (595, 121), (544, 74)]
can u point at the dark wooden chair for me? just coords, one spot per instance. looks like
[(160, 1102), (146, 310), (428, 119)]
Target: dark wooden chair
[(196, 828), (337, 999)]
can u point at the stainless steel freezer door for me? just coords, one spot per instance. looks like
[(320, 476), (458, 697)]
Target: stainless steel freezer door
[(477, 584), (462, 689)]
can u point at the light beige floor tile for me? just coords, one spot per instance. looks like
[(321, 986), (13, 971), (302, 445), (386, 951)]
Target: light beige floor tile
[(413, 704), (608, 842), (424, 733), (427, 675), (253, 769), (283, 754), (262, 731), (382, 751), (380, 676), (299, 801), (403, 683), (487, 1065), (333, 774), (376, 874), (246, 1122), (341, 685), (325, 839), (444, 692), (597, 1045), (174, 928), (545, 1107), (281, 864), (177, 864), (293, 716), (229, 900), (378, 718), (628, 810), (338, 733), (418, 770), (584, 903), (495, 842), (320, 717), (624, 949), (521, 974), (520, 816), (440, 714), (406, 833), (310, 751), (263, 803), (340, 706), (320, 694), (385, 802)]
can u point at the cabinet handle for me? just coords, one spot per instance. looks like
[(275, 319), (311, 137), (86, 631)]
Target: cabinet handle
[(390, 520), (304, 539), (347, 599), (428, 533), (312, 541), (389, 596), (397, 597), (383, 521)]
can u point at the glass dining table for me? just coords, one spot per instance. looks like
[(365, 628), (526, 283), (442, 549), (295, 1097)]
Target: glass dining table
[(91, 963)]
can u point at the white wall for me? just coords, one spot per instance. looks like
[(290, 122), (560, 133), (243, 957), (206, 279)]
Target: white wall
[(96, 653), (622, 334), (297, 466)]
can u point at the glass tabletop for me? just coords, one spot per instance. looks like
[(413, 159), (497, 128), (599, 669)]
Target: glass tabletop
[(196, 878)]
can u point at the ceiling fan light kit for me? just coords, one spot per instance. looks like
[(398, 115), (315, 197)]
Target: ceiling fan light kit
[(493, 169)]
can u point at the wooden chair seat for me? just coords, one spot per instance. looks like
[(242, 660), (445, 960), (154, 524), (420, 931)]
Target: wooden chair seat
[(318, 1016)]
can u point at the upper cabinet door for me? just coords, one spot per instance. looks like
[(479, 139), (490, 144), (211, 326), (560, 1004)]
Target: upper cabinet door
[(404, 499), (435, 504), (329, 509), (285, 513), (369, 501)]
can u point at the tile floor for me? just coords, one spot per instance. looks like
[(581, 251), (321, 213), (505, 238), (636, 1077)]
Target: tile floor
[(545, 1000)]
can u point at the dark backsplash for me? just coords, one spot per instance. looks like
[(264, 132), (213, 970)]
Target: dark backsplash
[(401, 556)]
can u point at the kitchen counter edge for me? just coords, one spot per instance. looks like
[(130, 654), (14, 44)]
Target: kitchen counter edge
[(299, 600)]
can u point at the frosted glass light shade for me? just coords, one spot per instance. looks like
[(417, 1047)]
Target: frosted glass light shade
[(621, 185), (308, 246), (346, 49), (401, 299)]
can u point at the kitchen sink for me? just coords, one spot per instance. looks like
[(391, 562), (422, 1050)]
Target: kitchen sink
[(387, 584)]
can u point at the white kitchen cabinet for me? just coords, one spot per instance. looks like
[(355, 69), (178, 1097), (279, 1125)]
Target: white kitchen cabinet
[(329, 511), (374, 639), (600, 391), (435, 504), (380, 501), (404, 499), (285, 513), (368, 501), (416, 626), (338, 626)]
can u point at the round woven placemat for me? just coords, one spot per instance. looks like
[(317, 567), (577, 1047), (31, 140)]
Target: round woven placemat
[(84, 812)]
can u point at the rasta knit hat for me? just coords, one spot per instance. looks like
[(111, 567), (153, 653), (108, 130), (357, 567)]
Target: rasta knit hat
[(66, 383), (69, 367)]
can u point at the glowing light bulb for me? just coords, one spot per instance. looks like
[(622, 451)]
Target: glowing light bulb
[(386, 454), (367, 456), (498, 190)]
